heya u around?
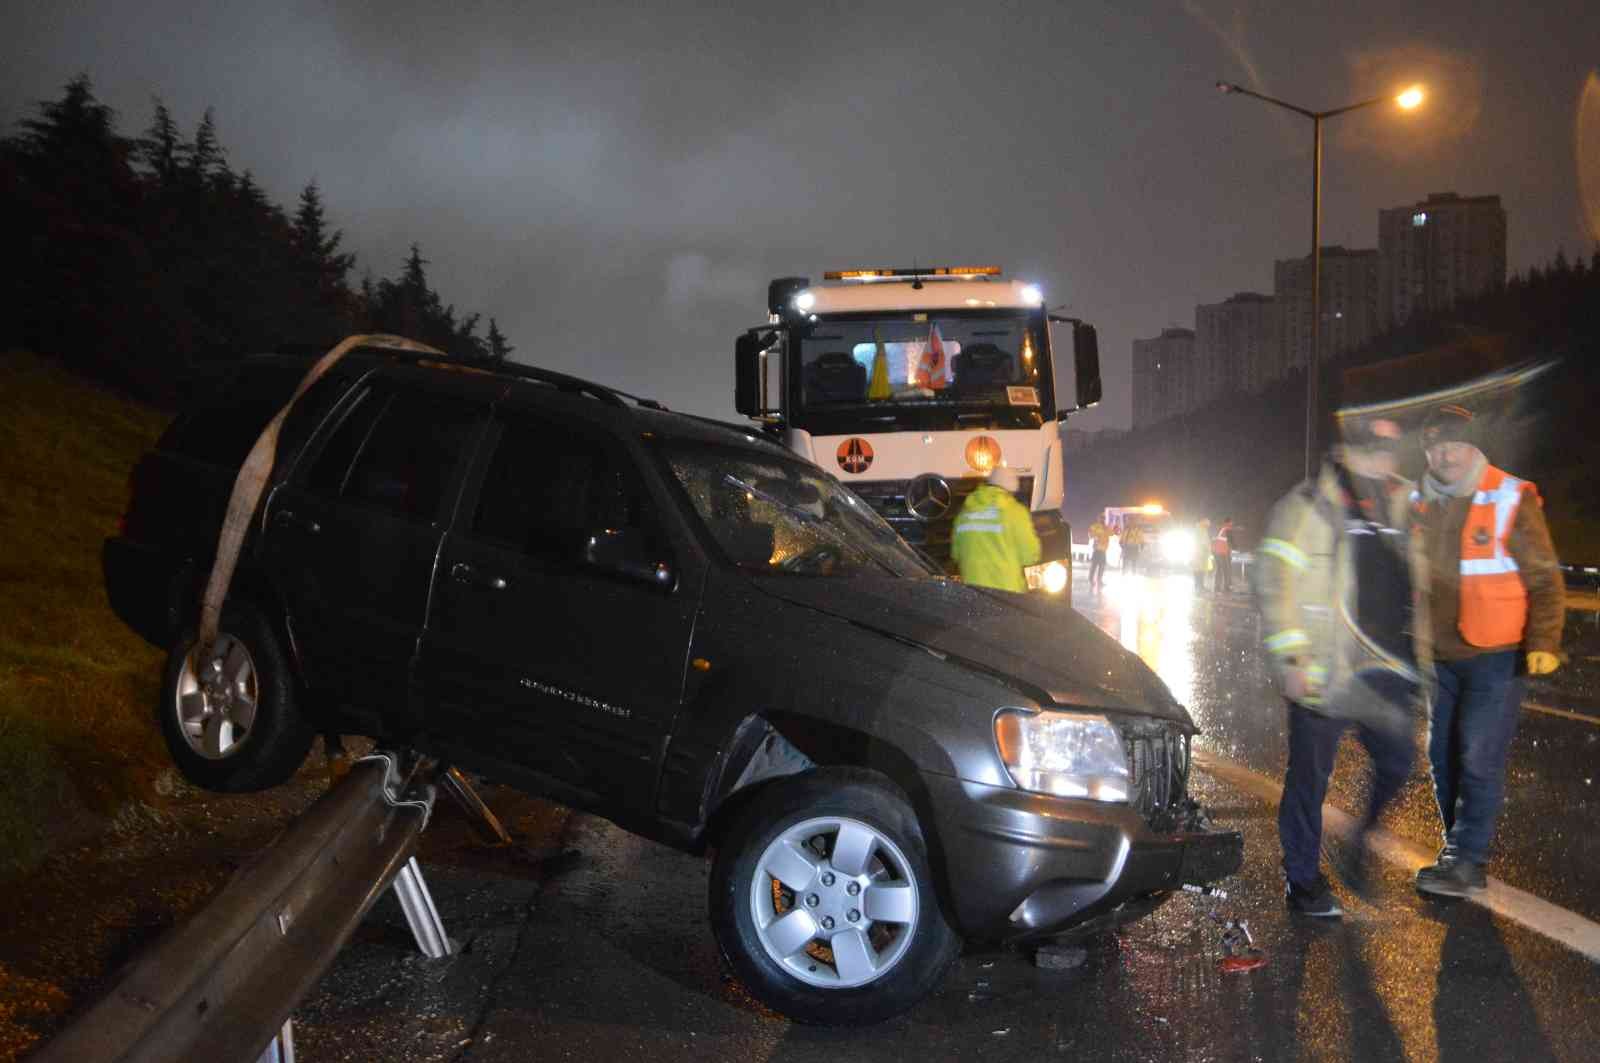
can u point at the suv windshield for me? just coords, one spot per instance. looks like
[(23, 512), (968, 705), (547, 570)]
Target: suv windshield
[(943, 369), (771, 515)]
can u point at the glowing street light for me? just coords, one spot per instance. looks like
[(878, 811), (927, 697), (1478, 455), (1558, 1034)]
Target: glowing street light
[(1409, 100)]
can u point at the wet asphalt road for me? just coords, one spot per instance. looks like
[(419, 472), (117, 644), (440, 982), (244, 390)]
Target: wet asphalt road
[(610, 956)]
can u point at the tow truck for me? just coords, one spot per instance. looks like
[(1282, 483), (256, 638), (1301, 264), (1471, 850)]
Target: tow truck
[(911, 385)]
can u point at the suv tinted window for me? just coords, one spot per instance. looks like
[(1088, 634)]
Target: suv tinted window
[(547, 489), (404, 461), (226, 425)]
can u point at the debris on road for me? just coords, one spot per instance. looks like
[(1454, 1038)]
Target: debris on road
[(1059, 957)]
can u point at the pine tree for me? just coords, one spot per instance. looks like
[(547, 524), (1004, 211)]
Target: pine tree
[(499, 349), (205, 157), (161, 148), (318, 247)]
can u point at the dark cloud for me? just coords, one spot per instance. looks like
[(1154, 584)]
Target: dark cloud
[(616, 182)]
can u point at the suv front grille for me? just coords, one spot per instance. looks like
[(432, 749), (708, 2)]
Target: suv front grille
[(1158, 771)]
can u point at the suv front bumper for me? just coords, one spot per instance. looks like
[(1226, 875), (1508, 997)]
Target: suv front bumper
[(1019, 865)]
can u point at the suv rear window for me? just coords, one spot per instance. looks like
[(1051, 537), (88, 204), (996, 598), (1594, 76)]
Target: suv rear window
[(224, 428)]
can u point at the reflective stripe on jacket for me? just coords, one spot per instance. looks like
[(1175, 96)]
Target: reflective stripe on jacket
[(993, 540)]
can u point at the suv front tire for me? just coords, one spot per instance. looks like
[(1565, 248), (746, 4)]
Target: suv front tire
[(823, 903)]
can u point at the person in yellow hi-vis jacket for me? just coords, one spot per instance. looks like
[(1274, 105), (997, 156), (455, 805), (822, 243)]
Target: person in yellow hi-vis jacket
[(1334, 582), (993, 538)]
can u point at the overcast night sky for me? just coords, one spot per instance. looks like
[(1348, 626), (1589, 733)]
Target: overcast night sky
[(617, 182)]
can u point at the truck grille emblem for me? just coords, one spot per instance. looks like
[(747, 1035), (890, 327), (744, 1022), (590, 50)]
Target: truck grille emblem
[(928, 497)]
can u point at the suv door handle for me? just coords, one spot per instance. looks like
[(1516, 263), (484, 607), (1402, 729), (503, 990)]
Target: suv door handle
[(289, 519), (462, 572)]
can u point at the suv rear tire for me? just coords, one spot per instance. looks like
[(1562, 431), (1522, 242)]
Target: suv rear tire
[(235, 729), (823, 903)]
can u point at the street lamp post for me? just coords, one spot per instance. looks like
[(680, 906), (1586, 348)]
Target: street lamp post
[(1407, 100)]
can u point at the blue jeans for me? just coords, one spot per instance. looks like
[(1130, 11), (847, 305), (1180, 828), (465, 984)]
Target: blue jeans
[(1313, 741), (1475, 709)]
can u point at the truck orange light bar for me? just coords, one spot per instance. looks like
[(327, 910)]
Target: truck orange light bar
[(935, 271)]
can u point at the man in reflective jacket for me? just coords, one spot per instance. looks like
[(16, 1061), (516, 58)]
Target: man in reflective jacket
[(1496, 603), (1333, 582), (993, 538)]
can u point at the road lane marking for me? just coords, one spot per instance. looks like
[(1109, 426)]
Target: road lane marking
[(1566, 714), (1519, 906)]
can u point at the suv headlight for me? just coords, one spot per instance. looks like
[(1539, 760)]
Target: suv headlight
[(1068, 754)]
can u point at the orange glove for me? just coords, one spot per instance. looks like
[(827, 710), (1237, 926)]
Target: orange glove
[(1542, 663)]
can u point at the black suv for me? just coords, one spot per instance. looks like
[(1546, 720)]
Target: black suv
[(680, 626)]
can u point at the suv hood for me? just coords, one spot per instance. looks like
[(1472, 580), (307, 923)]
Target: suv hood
[(1039, 643)]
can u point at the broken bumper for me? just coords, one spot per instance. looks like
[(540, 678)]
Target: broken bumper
[(1020, 865)]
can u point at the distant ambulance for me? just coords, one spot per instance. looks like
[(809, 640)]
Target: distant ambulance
[(910, 385)]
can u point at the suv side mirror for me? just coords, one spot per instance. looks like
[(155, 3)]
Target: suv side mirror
[(625, 553)]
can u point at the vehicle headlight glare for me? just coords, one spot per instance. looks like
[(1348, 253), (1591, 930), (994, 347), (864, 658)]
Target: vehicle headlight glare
[(804, 301), (1031, 295), (1177, 545), (1066, 754)]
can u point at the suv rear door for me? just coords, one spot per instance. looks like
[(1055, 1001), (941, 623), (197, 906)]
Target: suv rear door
[(530, 657), (353, 536)]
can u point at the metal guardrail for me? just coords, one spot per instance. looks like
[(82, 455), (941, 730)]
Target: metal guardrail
[(221, 986)]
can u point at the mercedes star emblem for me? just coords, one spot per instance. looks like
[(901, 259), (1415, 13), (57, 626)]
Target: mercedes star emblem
[(928, 497)]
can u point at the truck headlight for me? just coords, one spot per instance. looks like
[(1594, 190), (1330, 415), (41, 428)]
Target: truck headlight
[(1067, 754), (1050, 577)]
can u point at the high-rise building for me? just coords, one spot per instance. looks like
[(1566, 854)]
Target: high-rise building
[(1236, 346), (1162, 372), (1349, 303), (1438, 252)]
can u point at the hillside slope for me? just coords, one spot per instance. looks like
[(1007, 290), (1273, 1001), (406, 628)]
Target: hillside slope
[(77, 734)]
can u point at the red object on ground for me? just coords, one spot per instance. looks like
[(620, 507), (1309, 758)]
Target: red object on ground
[(1247, 961)]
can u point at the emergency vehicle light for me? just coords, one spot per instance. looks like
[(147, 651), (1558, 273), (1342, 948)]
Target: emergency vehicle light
[(933, 271)]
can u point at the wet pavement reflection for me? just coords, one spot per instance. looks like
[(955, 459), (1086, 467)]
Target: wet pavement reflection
[(1205, 647)]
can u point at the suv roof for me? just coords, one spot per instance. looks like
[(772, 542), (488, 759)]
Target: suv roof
[(649, 414)]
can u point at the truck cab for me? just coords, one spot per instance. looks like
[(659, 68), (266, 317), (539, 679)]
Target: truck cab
[(911, 385)]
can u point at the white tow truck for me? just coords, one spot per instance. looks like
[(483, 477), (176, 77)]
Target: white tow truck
[(910, 385)]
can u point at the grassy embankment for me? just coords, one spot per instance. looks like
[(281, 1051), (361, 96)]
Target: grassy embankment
[(77, 734)]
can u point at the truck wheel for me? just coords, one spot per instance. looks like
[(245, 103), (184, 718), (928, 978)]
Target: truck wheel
[(231, 724), (823, 903)]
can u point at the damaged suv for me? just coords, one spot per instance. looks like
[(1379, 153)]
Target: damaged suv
[(677, 625)]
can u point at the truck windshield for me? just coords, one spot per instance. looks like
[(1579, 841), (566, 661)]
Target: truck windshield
[(774, 516), (923, 370)]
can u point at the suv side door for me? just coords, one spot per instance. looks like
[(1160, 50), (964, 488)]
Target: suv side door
[(354, 534), (535, 659)]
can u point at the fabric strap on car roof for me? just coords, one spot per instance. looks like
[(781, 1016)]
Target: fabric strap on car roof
[(257, 470)]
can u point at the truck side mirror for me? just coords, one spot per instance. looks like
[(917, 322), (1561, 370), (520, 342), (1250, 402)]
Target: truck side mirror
[(747, 375), (1086, 364), (750, 396)]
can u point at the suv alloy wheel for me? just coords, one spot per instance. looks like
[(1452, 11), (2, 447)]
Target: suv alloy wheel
[(231, 724), (823, 902)]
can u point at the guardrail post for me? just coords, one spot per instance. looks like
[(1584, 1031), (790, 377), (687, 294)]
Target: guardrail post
[(281, 1050), (415, 900)]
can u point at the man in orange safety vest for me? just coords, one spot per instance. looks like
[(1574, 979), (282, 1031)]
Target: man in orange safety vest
[(1495, 601)]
